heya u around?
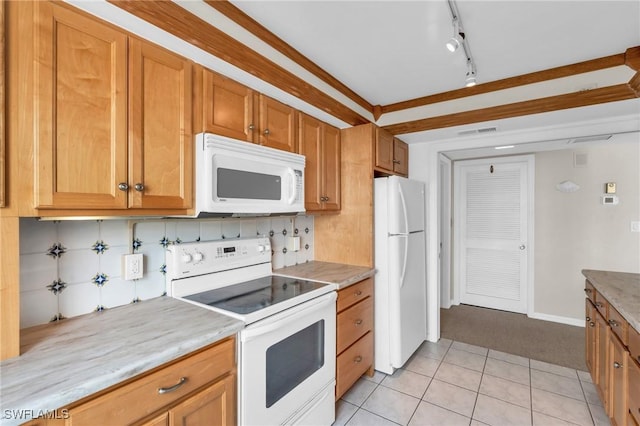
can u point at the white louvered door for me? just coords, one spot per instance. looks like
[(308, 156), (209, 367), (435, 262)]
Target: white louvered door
[(492, 212)]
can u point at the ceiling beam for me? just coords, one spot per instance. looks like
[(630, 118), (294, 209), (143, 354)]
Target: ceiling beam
[(176, 20), (239, 17), (508, 83), (632, 58), (553, 103)]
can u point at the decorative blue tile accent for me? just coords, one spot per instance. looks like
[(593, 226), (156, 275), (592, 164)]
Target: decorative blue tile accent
[(178, 241), (100, 247), (163, 269), (100, 308), (164, 242), (136, 244), (136, 300), (100, 279), (56, 250), (57, 286)]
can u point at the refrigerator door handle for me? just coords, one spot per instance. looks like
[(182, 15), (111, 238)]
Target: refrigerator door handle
[(404, 260), (404, 210)]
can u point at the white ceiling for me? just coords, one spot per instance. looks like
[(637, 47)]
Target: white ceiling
[(391, 51)]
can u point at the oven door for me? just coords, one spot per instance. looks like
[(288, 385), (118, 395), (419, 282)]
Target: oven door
[(287, 365)]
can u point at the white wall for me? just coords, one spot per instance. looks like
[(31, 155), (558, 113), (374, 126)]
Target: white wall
[(575, 231)]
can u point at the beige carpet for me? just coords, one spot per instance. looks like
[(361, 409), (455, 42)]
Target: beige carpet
[(515, 334)]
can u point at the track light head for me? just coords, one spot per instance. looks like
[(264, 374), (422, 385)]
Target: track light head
[(470, 80), (454, 43)]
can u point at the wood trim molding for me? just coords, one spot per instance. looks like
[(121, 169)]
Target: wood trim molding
[(176, 20), (632, 58), (3, 133), (634, 84), (508, 83), (239, 17), (553, 103)]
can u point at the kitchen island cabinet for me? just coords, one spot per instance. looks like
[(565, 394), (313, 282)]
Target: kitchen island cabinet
[(613, 342), (117, 359)]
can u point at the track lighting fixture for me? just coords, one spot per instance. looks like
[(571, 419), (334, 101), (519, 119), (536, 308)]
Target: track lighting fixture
[(460, 39)]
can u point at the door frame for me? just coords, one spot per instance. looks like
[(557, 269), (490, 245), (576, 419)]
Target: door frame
[(530, 162), (447, 297)]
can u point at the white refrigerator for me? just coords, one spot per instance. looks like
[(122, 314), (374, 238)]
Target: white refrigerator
[(400, 280)]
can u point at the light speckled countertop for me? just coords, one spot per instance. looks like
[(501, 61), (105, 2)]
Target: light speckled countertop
[(327, 272), (70, 359), (621, 289)]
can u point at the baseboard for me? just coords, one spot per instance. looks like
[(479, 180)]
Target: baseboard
[(558, 319)]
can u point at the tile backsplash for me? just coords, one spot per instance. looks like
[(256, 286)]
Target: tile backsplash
[(70, 268)]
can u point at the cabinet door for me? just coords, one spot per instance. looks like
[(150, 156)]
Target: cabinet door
[(160, 138), (331, 167), (311, 148), (277, 125), (590, 336), (81, 112), (214, 405), (384, 150), (161, 420), (618, 387), (228, 108), (400, 157), (602, 339)]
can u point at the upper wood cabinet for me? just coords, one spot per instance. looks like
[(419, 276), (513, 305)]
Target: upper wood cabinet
[(320, 144), (391, 154), (233, 110), (114, 127)]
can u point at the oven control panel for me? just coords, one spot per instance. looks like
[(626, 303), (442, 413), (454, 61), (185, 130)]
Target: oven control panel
[(189, 259)]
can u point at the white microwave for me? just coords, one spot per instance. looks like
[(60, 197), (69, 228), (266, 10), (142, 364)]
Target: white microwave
[(237, 178)]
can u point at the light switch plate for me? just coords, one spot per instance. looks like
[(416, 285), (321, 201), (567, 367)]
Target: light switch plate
[(132, 266), (635, 226)]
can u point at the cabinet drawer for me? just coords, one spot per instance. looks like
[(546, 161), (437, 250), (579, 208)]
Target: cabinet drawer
[(601, 305), (634, 344), (353, 363), (141, 397), (354, 293), (354, 323), (619, 325), (634, 390), (590, 291)]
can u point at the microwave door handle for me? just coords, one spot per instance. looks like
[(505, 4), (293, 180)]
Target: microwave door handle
[(293, 192)]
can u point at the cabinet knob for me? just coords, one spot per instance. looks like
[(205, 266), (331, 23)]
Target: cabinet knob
[(588, 319), (266, 132), (357, 359), (139, 187), (613, 323), (251, 127), (587, 290), (599, 305), (123, 186), (396, 161), (359, 293), (592, 324), (358, 322), (174, 387), (616, 364)]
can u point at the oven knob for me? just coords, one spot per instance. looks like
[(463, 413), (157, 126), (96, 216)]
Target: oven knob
[(197, 256), (186, 258)]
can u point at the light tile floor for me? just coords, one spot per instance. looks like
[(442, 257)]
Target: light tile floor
[(453, 383)]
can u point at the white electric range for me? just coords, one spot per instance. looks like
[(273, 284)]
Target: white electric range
[(286, 372)]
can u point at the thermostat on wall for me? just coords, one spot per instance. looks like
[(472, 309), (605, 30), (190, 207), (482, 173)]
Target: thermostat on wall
[(610, 200)]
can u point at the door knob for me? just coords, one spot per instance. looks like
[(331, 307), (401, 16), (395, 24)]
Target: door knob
[(522, 247)]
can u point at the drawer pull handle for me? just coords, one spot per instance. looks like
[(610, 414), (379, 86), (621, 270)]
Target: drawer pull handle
[(357, 359), (359, 293), (613, 323), (587, 290), (616, 364), (599, 305), (358, 322), (174, 387)]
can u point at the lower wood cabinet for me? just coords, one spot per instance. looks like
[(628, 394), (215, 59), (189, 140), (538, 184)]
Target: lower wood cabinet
[(354, 336), (197, 390), (613, 359)]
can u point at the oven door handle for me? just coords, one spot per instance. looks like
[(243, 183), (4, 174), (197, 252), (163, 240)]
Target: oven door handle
[(288, 317)]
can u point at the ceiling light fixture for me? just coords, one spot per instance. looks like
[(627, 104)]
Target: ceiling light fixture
[(460, 39)]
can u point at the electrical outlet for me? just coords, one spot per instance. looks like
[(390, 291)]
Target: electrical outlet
[(132, 266), (635, 226)]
